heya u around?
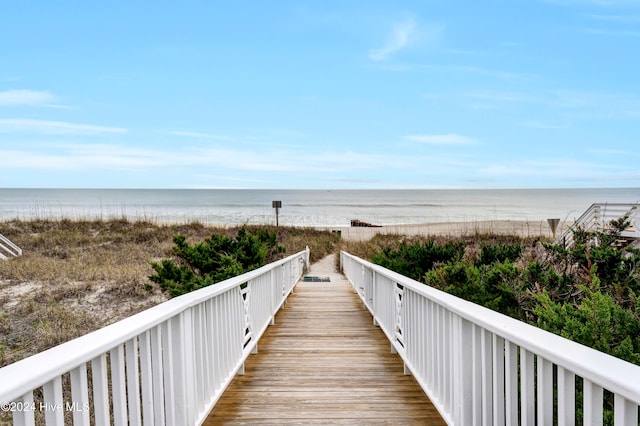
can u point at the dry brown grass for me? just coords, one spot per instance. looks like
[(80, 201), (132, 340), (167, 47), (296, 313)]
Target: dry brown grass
[(77, 276)]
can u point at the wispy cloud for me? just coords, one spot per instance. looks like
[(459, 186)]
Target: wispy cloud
[(79, 158), (26, 97), (18, 125), (446, 139), (401, 36)]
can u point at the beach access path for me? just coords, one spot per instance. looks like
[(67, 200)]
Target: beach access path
[(324, 362)]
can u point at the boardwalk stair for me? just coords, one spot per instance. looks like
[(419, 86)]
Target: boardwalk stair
[(598, 218)]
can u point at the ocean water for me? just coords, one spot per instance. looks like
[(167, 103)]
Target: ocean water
[(307, 207)]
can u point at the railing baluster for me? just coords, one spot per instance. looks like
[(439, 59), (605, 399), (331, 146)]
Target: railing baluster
[(449, 359), (118, 386), (157, 356), (183, 367), (487, 376), (80, 395), (464, 369), (477, 371), (511, 383), (168, 372), (498, 380), (592, 405), (625, 412), (566, 397), (53, 404), (527, 395), (544, 375), (25, 417), (100, 390), (200, 351), (146, 378)]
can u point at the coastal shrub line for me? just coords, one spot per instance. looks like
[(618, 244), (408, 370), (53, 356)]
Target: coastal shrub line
[(586, 293)]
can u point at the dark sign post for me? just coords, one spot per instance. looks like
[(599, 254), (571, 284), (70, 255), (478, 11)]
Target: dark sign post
[(276, 205)]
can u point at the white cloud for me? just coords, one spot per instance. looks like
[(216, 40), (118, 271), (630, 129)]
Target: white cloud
[(78, 157), (26, 97), (400, 37), (15, 125), (446, 139)]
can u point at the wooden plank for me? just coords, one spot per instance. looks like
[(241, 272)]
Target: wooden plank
[(324, 362)]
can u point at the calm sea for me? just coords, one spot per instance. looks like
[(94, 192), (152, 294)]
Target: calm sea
[(307, 207)]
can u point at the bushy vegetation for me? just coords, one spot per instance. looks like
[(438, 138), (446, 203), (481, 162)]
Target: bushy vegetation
[(414, 260), (215, 259), (586, 292)]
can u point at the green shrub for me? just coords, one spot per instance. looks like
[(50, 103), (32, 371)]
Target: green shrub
[(414, 260), (499, 252), (598, 322), (215, 259), (492, 286)]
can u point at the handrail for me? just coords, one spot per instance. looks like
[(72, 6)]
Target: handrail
[(166, 365), (9, 248), (477, 365), (598, 216)]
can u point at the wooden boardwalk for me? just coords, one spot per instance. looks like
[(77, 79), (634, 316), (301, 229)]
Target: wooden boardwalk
[(324, 362)]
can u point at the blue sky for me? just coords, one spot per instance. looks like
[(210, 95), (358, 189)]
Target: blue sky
[(320, 94)]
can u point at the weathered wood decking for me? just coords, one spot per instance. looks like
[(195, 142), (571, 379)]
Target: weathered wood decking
[(324, 362)]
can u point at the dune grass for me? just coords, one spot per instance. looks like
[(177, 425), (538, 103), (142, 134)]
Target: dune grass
[(76, 276)]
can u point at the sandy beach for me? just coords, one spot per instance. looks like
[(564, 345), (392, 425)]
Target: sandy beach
[(531, 229)]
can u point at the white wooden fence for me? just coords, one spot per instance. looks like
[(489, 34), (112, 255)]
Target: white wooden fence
[(167, 365), (480, 367)]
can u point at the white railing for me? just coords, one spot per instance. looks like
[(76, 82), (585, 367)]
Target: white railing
[(7, 248), (480, 367), (597, 218), (167, 365)]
